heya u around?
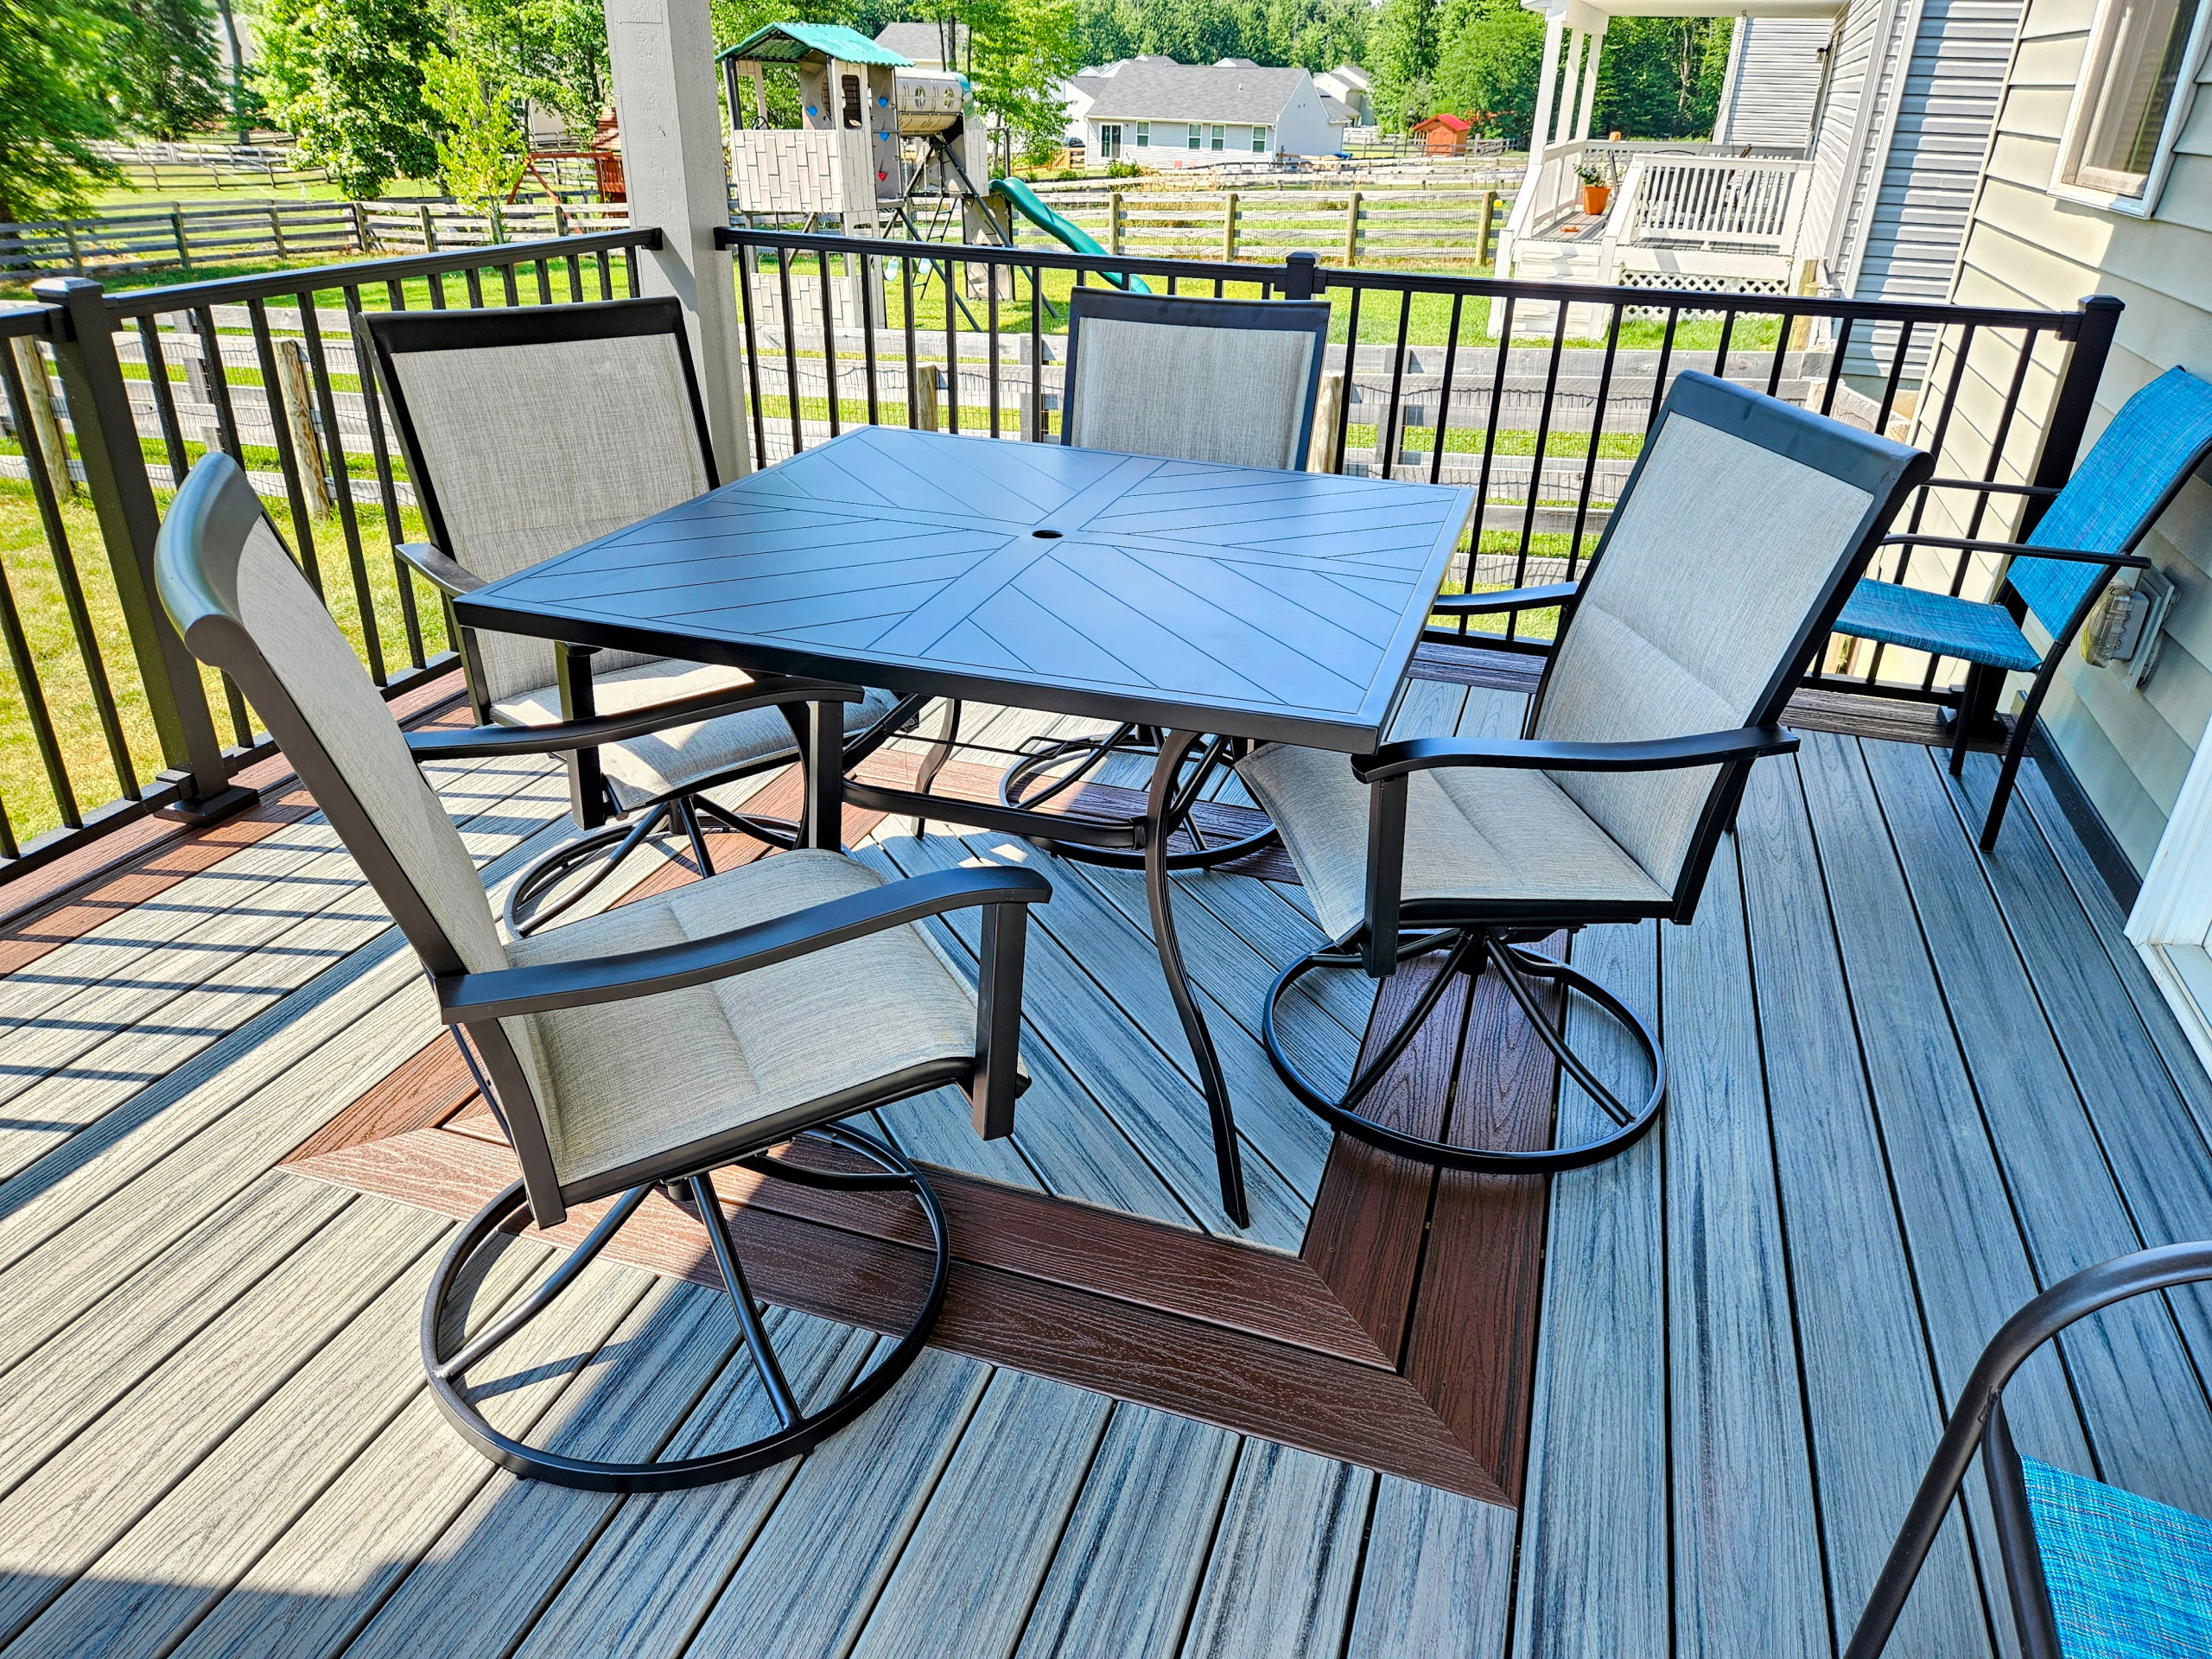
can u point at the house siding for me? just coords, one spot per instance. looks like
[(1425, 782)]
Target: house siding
[(1773, 87), (2130, 748)]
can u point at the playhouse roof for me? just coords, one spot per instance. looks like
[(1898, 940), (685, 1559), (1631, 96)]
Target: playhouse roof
[(1452, 122), (793, 43)]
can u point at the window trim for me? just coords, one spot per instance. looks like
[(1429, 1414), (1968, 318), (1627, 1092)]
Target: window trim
[(1259, 141), (2073, 134), (1110, 148), (1144, 134), (1220, 136), (1192, 129)]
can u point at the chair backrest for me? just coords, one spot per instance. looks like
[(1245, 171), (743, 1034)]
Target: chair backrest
[(1735, 542), (2131, 473), (241, 605), (1228, 381), (532, 430)]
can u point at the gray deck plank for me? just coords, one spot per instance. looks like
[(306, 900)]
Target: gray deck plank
[(1279, 1582), (58, 1521), (1858, 1335), (2146, 1416), (1146, 1096), (1438, 1580), (651, 1575), (1594, 1580), (817, 1567), (1122, 1581), (1747, 1569), (976, 1560)]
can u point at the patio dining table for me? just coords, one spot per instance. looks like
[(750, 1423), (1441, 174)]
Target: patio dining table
[(1213, 603)]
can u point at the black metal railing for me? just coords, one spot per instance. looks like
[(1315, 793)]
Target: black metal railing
[(110, 399), (1539, 394)]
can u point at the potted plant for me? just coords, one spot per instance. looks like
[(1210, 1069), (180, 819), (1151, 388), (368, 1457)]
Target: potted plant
[(1597, 188)]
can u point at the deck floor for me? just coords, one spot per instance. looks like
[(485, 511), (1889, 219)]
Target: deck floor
[(1910, 1086)]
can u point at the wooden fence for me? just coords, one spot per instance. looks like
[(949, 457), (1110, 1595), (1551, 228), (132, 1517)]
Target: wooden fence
[(155, 166), (1444, 222)]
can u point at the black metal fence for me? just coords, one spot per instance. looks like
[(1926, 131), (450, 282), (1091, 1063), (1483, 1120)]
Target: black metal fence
[(1539, 395), (110, 399)]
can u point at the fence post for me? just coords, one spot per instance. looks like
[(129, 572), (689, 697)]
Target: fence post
[(122, 492), (429, 229), (560, 218), (925, 417), (2069, 411), (1113, 221), (276, 230), (1351, 229), (295, 392), (360, 226), (1483, 223), (1229, 232), (176, 228), (76, 253), (38, 394)]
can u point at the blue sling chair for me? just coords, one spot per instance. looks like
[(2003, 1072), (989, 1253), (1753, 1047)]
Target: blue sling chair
[(2090, 529), (2092, 1572)]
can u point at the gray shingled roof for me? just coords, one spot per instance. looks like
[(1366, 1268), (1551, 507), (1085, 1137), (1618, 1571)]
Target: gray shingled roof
[(1159, 89)]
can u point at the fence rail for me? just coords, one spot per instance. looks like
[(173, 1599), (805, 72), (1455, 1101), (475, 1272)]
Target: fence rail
[(151, 166), (110, 399), (1436, 223)]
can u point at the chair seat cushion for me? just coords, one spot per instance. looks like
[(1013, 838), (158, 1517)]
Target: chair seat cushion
[(1923, 620), (2129, 1579), (634, 1080), (1476, 835), (676, 757)]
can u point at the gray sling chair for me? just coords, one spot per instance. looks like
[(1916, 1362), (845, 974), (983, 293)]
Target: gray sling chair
[(649, 1044), (528, 432), (1735, 542), (1228, 381), (2092, 1572)]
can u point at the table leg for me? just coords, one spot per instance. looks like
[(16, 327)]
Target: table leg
[(1159, 818), (822, 820)]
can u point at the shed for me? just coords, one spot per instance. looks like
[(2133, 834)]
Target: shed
[(1445, 135)]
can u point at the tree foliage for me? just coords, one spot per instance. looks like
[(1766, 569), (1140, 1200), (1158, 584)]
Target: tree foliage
[(480, 149), (552, 52), (1657, 76), (53, 104), (345, 78), (1402, 60), (167, 77), (1310, 34)]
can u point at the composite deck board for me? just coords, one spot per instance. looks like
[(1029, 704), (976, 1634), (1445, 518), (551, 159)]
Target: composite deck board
[(1865, 1358), (1438, 1576), (1279, 1582), (2147, 1419)]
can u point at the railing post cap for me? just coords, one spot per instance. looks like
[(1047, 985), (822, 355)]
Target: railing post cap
[(2102, 302)]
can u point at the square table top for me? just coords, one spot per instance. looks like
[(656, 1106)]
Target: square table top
[(1261, 604)]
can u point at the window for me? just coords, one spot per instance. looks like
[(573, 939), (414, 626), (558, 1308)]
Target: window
[(1144, 134), (1259, 141), (1190, 135), (1110, 139), (2136, 78), (1219, 133)]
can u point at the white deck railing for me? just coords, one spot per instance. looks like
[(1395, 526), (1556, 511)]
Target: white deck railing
[(1736, 204)]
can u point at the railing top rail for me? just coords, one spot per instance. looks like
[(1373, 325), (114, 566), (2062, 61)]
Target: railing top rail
[(2064, 324), (360, 273), (27, 321)]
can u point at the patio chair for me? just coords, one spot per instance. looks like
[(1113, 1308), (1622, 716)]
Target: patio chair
[(653, 1043), (1228, 381), (1736, 540), (2056, 574), (2092, 1572), (528, 432)]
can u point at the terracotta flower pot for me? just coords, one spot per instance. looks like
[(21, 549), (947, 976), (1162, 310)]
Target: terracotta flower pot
[(1595, 198)]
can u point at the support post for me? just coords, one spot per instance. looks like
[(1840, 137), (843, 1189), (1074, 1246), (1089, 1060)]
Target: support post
[(1228, 230), (1113, 221), (295, 390), (669, 110), (1563, 119), (38, 396), (1484, 225), (176, 229), (1596, 44), (1540, 127), (2069, 411), (1351, 229), (116, 478)]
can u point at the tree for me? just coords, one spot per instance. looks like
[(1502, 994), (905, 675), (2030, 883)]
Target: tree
[(346, 77), (53, 104), (1405, 42), (552, 52), (480, 152), (1018, 53), (166, 78), (1491, 63), (1660, 77)]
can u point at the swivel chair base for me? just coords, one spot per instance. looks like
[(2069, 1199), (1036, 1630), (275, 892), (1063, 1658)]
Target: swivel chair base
[(1515, 965), (1125, 739), (799, 1429)]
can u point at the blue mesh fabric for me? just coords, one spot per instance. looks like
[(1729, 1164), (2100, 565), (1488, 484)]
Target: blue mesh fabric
[(2129, 1579), (2159, 434), (1923, 620)]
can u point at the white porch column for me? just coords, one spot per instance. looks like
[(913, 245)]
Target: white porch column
[(1540, 129), (1565, 121), (665, 98), (1589, 81)]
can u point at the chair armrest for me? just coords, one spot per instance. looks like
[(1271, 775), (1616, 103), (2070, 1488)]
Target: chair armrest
[(506, 992), (1989, 484), (432, 564), (1651, 754), (1514, 598), (561, 736), (2022, 550)]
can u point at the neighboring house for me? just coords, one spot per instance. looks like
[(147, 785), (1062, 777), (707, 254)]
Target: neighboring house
[(1849, 137), (2100, 183), (923, 44), (1444, 135), (1168, 114), (1349, 84)]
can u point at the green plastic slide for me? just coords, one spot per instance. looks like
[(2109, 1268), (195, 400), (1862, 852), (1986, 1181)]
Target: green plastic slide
[(1024, 200)]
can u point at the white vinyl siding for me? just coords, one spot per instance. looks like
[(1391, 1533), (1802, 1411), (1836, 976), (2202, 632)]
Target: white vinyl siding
[(1773, 84), (2130, 749)]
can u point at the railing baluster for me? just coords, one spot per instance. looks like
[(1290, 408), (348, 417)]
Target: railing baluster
[(1659, 375), (991, 319), (387, 488), (1897, 356), (219, 382), (157, 373), (341, 484), (507, 282), (1444, 408), (951, 350), (1597, 435), (828, 343), (1343, 392), (1536, 464), (606, 277), (1387, 441), (473, 280), (1835, 366), (287, 459), (34, 709), (867, 334), (544, 282), (1037, 423), (1489, 436), (745, 279), (913, 369), (789, 323)]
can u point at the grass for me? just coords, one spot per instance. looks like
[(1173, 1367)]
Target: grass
[(16, 286), (36, 584)]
